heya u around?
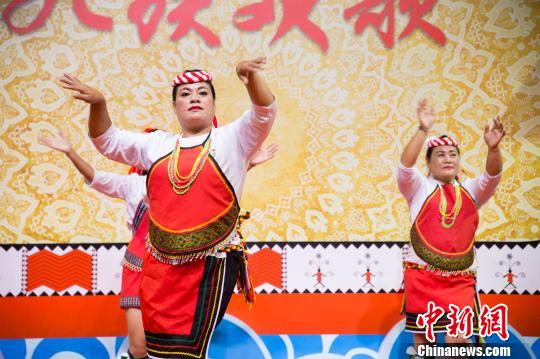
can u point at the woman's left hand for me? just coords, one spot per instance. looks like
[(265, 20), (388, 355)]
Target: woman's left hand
[(263, 154), (245, 69), (493, 133)]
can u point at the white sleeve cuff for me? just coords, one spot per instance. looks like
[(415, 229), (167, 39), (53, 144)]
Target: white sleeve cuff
[(104, 136), (264, 113)]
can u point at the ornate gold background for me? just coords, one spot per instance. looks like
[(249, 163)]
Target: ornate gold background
[(344, 115)]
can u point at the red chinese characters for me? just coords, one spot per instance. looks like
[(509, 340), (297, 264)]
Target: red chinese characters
[(136, 11), (428, 320), (184, 15), (247, 18), (461, 322), (494, 321), (415, 8), (490, 321), (365, 17), (90, 19), (295, 14), (80, 8)]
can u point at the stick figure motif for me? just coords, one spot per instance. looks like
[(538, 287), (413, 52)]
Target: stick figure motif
[(510, 275), (319, 274), (368, 274)]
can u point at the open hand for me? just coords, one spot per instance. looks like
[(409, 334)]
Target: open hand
[(245, 69), (426, 115), (59, 143), (263, 154), (494, 132), (83, 92)]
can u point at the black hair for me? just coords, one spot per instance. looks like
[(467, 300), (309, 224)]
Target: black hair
[(175, 88), (430, 150)]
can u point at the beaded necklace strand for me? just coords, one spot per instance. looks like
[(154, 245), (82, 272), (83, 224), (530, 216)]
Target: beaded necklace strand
[(181, 184), (445, 217)]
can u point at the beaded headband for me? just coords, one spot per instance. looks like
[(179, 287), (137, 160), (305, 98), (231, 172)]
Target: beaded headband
[(442, 141), (191, 77)]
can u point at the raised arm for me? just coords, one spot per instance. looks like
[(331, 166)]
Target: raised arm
[(483, 187), (253, 127), (257, 88), (426, 117), (62, 144), (99, 120), (120, 146), (493, 134)]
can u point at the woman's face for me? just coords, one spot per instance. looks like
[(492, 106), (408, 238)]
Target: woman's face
[(194, 107), (444, 163)]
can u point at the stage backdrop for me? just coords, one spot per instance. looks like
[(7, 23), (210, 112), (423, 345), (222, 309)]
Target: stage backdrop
[(347, 105), (326, 210)]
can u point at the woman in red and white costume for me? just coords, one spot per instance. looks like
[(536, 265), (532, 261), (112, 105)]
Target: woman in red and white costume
[(132, 189), (439, 262), (195, 180)]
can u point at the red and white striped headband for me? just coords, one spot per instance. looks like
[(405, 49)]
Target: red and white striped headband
[(191, 77), (442, 141)]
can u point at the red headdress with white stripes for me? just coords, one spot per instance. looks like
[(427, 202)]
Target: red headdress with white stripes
[(442, 141), (191, 77)]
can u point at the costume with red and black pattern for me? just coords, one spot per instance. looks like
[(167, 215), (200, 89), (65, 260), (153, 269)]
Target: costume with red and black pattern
[(133, 260), (186, 283), (448, 253)]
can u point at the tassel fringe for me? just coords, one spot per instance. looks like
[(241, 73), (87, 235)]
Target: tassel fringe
[(438, 271)]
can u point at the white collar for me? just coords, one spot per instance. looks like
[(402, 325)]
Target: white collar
[(440, 184), (193, 140)]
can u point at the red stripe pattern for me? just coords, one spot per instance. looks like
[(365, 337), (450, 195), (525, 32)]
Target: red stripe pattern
[(191, 77), (265, 267), (442, 141), (59, 272)]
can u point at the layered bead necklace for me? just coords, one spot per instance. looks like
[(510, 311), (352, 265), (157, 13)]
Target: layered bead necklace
[(448, 219), (181, 184)]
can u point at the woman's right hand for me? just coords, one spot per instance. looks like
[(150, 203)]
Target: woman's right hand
[(245, 69), (59, 143), (84, 92), (426, 115)]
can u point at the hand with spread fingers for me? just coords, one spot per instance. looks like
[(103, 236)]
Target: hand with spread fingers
[(426, 115), (494, 133), (263, 154), (62, 144), (82, 92), (59, 143)]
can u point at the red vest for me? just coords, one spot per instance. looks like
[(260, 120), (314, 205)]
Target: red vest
[(446, 248), (192, 225)]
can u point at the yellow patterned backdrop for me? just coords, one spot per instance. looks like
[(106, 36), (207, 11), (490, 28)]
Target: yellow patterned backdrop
[(344, 115)]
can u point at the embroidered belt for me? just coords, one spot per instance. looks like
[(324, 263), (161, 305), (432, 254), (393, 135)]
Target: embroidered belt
[(177, 248), (439, 261)]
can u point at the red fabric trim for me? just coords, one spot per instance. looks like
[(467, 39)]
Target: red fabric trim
[(448, 241), (170, 294), (131, 283), (210, 194), (423, 286), (137, 245)]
